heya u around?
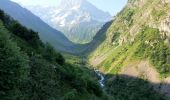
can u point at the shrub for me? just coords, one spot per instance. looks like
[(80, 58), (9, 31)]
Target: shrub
[(14, 68)]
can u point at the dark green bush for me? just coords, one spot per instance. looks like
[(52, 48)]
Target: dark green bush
[(51, 55), (154, 49), (14, 68), (43, 73), (130, 88)]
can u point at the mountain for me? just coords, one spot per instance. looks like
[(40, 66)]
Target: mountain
[(46, 33), (32, 70), (136, 43), (132, 52), (79, 20)]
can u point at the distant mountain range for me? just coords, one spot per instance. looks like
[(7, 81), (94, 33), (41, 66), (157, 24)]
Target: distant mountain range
[(79, 20), (46, 33)]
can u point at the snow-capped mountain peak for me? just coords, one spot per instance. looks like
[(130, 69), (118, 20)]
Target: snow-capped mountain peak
[(71, 3), (73, 14), (79, 11)]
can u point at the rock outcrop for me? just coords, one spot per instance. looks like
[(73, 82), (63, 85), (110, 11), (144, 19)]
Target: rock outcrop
[(165, 27)]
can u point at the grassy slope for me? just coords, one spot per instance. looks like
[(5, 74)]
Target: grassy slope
[(134, 36), (123, 38)]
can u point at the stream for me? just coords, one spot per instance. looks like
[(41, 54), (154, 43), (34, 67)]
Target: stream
[(101, 80)]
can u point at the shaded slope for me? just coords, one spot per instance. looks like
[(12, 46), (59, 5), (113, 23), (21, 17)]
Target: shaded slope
[(31, 70), (125, 87), (98, 39)]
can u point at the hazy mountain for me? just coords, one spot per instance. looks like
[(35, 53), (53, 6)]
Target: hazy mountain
[(79, 20), (46, 33)]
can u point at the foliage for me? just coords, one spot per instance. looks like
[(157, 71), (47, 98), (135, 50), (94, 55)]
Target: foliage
[(127, 16), (157, 14), (153, 47), (127, 88), (31, 70), (51, 55), (27, 34), (115, 37), (142, 43), (14, 68)]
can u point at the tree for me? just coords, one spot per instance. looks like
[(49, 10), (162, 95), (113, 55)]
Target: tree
[(14, 68), (51, 55), (2, 15)]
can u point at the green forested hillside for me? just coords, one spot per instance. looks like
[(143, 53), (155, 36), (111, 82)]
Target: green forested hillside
[(31, 70)]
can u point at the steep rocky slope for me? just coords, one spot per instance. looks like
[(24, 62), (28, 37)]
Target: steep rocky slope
[(137, 44)]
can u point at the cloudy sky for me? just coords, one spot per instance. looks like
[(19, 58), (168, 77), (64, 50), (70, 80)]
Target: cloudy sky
[(111, 6)]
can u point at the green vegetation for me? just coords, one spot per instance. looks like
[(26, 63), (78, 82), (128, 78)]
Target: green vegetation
[(158, 14), (13, 68), (127, 16), (153, 47), (130, 88), (31, 70), (115, 37), (50, 55), (148, 44), (137, 41)]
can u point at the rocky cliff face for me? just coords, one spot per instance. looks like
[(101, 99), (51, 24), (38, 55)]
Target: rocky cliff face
[(136, 3), (165, 27)]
